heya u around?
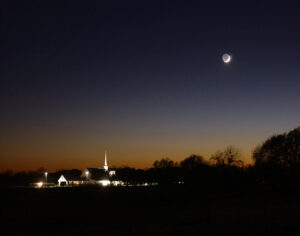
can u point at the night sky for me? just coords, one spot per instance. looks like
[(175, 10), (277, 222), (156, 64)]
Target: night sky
[(144, 80)]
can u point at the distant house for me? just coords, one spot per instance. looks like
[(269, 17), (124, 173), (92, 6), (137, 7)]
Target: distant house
[(62, 181), (69, 179)]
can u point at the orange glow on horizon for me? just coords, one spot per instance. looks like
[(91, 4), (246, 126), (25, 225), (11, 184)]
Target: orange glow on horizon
[(32, 164)]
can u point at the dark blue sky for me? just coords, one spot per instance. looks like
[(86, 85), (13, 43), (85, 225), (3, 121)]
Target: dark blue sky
[(144, 80)]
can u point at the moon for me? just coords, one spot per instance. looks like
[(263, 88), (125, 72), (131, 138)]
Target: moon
[(226, 58)]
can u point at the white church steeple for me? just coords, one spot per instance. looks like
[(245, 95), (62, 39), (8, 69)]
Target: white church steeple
[(105, 162)]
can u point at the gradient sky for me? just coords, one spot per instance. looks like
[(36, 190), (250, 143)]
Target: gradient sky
[(144, 80)]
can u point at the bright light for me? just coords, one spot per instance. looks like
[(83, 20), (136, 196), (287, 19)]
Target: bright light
[(46, 173), (40, 184), (104, 182), (226, 58), (117, 183), (86, 173)]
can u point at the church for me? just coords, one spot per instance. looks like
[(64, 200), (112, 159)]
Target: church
[(100, 176)]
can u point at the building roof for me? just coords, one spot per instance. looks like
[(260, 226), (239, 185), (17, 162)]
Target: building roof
[(71, 175), (62, 179)]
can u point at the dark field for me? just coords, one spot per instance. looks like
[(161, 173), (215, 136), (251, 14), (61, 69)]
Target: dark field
[(148, 211)]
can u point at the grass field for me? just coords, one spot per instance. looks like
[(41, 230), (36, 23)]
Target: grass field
[(148, 211)]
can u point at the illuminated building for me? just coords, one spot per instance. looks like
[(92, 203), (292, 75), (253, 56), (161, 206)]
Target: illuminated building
[(94, 175), (104, 182), (105, 162), (62, 181), (97, 176)]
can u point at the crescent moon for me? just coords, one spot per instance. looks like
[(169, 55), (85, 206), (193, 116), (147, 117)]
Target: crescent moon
[(226, 58)]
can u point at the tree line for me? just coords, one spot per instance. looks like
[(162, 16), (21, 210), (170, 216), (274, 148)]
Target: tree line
[(275, 162)]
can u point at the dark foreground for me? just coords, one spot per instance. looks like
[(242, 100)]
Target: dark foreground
[(148, 211)]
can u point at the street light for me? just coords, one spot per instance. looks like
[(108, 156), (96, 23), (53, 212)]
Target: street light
[(86, 175), (46, 175)]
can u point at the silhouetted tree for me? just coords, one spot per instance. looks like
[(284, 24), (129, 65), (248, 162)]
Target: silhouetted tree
[(192, 162), (230, 156), (277, 160), (126, 174), (164, 163), (194, 170), (165, 171), (279, 150), (40, 171)]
